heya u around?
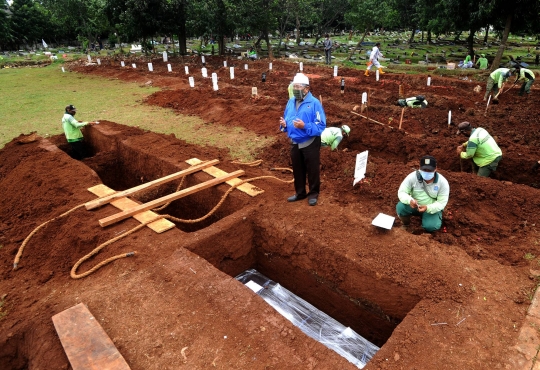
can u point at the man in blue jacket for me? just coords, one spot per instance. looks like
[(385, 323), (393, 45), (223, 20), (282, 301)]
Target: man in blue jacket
[(304, 121)]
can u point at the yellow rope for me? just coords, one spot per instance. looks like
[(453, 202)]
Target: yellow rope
[(167, 204), (96, 250), (250, 164), (23, 245)]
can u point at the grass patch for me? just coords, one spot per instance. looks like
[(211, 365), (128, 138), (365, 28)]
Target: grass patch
[(34, 100)]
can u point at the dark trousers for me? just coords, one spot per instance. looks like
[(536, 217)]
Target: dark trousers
[(306, 162), (328, 56), (78, 150)]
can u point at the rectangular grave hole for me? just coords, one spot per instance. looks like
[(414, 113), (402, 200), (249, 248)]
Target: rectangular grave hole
[(126, 167), (242, 246)]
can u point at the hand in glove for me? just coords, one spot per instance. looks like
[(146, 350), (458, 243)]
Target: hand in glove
[(459, 149)]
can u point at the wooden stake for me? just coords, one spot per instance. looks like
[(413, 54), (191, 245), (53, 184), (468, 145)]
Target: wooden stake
[(401, 119)]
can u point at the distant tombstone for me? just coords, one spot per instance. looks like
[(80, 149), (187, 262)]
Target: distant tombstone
[(150, 67), (169, 68), (165, 58)]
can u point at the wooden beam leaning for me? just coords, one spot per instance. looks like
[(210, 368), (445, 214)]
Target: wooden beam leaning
[(247, 188), (167, 198), (100, 202)]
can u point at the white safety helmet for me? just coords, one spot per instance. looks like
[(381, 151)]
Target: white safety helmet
[(301, 78), (346, 129)]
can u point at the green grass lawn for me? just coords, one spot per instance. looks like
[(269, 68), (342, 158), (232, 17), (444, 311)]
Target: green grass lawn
[(33, 99)]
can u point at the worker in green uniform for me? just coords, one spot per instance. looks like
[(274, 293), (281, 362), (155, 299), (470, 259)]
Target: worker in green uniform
[(527, 76), (413, 102), (481, 148), (482, 62), (332, 136), (496, 80), (72, 130), (423, 193)]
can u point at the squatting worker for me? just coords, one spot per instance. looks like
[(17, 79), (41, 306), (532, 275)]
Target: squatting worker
[(482, 62), (481, 147), (304, 120), (423, 193), (332, 136), (413, 102), (374, 59), (527, 76), (72, 129), (496, 80)]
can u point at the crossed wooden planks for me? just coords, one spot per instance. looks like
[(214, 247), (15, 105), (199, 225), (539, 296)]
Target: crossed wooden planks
[(87, 345)]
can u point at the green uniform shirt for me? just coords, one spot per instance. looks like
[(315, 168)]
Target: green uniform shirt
[(72, 128), (467, 59), (331, 136), (483, 63), (498, 76), (435, 198), (481, 147), (525, 74), (415, 103)]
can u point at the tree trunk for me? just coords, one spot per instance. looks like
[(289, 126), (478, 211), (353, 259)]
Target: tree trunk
[(411, 39), (428, 39), (269, 46), (422, 36), (182, 29), (358, 45), (487, 34), (502, 47), (470, 42), (297, 30)]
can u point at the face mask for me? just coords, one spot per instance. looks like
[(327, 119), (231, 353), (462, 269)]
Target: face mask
[(427, 175), (299, 94)]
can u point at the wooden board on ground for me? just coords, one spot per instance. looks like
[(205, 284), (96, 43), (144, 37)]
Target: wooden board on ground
[(216, 172), (86, 344), (124, 203)]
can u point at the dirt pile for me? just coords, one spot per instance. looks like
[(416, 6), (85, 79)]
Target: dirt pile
[(454, 299)]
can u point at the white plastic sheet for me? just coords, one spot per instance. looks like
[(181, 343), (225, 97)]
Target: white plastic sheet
[(313, 322)]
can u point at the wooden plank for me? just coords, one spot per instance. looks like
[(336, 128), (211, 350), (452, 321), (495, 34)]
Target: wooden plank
[(149, 185), (167, 198), (216, 172), (87, 345), (122, 204)]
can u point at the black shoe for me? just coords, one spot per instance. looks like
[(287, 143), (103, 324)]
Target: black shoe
[(312, 201), (294, 198)]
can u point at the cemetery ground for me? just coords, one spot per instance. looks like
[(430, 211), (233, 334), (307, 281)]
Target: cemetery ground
[(459, 298)]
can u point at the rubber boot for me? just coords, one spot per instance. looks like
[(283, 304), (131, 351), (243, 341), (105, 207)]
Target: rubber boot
[(405, 222), (366, 73), (381, 71)]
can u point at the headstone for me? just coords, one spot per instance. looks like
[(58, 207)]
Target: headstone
[(429, 81), (384, 221), (133, 65), (122, 64), (150, 67), (186, 68), (63, 70), (98, 61), (203, 60), (335, 71), (232, 73), (377, 75), (254, 91), (245, 66), (360, 168), (169, 68), (204, 72), (270, 66), (89, 58), (364, 97), (191, 82), (449, 117), (225, 63), (301, 66), (165, 58)]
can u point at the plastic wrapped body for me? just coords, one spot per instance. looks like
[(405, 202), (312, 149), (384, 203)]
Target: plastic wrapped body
[(311, 320)]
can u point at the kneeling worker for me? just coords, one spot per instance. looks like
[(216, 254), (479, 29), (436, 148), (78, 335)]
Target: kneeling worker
[(423, 193), (527, 76), (481, 147), (332, 136), (414, 102)]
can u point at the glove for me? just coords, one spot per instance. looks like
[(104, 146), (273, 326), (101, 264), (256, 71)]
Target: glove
[(535, 166), (459, 149)]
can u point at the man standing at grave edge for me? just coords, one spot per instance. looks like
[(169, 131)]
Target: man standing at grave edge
[(304, 120), (423, 193), (72, 130)]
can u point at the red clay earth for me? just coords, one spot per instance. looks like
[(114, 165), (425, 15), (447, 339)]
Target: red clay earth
[(178, 292)]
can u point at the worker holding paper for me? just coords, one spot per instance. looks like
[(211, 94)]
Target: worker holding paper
[(423, 193)]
